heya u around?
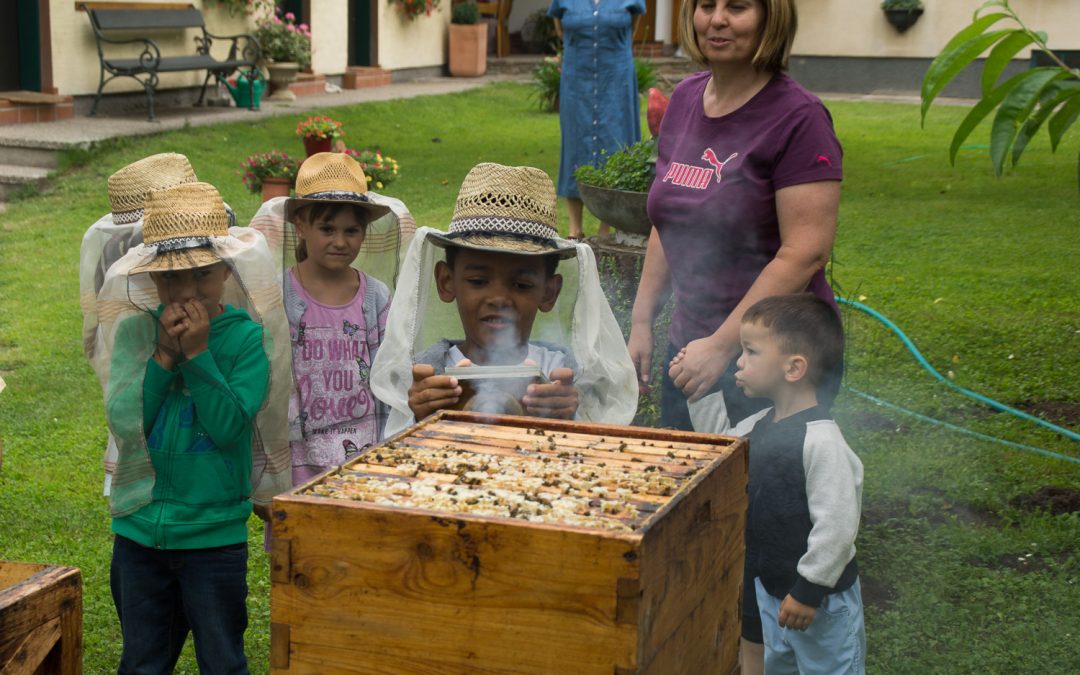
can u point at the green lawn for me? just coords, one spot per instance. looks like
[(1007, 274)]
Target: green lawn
[(979, 271)]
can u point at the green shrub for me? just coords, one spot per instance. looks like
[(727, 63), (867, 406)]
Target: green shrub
[(466, 14), (628, 169)]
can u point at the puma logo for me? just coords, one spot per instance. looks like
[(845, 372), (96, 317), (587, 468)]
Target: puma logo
[(717, 165)]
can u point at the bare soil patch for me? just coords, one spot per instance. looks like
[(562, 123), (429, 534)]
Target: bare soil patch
[(1065, 413), (1056, 500)]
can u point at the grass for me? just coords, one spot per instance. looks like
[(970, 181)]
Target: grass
[(978, 271)]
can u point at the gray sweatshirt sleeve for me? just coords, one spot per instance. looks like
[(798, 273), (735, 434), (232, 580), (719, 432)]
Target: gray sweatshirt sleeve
[(834, 478)]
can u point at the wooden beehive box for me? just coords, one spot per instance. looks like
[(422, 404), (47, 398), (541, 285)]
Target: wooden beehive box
[(546, 547), (40, 619)]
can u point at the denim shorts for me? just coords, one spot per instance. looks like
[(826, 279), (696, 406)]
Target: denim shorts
[(835, 642)]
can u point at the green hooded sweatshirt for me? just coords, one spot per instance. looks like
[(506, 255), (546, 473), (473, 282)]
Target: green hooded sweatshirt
[(199, 419)]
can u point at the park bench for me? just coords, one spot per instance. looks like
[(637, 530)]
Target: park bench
[(114, 17)]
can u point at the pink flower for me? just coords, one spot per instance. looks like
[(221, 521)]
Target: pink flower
[(303, 27), (289, 16)]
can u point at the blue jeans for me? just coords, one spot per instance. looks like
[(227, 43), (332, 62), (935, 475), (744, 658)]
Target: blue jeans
[(162, 594), (834, 643)]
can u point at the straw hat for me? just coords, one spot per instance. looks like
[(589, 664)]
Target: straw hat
[(508, 209), (332, 177), (180, 222), (129, 186)]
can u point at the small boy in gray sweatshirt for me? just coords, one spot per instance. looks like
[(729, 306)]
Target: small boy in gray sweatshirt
[(805, 489)]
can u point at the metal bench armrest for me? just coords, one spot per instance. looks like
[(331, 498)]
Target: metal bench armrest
[(251, 51)]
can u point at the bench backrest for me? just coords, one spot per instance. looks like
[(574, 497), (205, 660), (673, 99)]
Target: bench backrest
[(145, 19)]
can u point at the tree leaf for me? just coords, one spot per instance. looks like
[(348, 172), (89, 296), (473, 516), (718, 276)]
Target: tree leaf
[(1062, 120), (1014, 110), (1000, 57), (1051, 98), (981, 110), (955, 58)]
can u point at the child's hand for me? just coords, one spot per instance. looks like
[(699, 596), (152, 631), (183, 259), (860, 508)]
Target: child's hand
[(167, 352), (795, 615), (558, 399), (678, 357), (430, 392), (196, 335)]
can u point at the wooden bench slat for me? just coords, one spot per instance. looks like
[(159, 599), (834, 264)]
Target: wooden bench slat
[(127, 19)]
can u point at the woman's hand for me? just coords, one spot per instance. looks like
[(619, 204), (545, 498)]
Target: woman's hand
[(699, 365), (558, 400), (640, 346)]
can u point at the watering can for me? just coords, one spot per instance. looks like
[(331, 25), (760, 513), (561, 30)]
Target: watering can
[(247, 92)]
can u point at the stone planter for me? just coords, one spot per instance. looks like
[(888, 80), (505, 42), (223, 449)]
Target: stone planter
[(282, 74), (622, 209), (902, 19), (276, 187), (468, 49)]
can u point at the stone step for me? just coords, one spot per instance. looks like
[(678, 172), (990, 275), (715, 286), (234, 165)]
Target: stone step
[(30, 153), (15, 177)]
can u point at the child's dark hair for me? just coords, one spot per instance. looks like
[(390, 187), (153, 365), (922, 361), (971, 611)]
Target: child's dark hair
[(805, 324), (317, 213), (551, 261)]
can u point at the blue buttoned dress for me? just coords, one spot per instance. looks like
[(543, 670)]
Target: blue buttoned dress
[(598, 97)]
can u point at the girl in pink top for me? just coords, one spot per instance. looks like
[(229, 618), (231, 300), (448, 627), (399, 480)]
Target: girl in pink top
[(337, 317)]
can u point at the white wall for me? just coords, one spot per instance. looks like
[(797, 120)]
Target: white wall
[(330, 36), (416, 43)]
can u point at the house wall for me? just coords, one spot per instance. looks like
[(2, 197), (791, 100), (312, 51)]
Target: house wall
[(845, 28), (330, 36), (74, 51), (419, 43)]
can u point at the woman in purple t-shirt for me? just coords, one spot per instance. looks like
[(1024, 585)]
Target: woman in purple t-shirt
[(745, 198)]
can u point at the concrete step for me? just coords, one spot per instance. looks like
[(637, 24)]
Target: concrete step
[(28, 152), (15, 177)]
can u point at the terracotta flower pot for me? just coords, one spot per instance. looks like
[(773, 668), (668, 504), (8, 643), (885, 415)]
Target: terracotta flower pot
[(313, 145), (276, 187), (468, 49)]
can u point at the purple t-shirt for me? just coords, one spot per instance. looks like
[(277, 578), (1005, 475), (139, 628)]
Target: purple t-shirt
[(713, 202)]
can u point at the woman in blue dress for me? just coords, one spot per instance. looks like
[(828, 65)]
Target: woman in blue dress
[(598, 95)]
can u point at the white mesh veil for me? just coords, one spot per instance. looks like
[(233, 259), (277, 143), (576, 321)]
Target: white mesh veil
[(581, 320), (122, 308), (384, 240)]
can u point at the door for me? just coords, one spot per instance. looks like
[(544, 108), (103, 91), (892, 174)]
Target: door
[(362, 50), (20, 46)]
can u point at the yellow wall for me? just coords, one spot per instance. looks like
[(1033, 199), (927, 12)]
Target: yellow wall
[(859, 27), (418, 43), (75, 61), (330, 36)]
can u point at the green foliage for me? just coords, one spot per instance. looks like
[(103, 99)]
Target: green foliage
[(547, 76), (465, 13), (539, 29), (1024, 102), (646, 75), (628, 169), (970, 267), (909, 5)]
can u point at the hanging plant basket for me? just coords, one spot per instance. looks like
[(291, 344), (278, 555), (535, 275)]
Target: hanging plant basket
[(902, 19)]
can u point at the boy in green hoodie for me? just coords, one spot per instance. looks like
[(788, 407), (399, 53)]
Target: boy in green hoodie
[(187, 379)]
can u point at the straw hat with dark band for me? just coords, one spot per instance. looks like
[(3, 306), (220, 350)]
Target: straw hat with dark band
[(509, 209), (332, 177), (129, 186), (180, 221)]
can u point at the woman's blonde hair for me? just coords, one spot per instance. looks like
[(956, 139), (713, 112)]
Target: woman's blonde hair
[(777, 34)]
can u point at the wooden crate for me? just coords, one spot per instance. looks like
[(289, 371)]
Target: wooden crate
[(40, 619), (368, 587)]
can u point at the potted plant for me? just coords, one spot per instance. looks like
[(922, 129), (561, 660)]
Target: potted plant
[(538, 34), (468, 41), (271, 173), (617, 191), (902, 14), (379, 169), (287, 47), (318, 133), (547, 78)]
